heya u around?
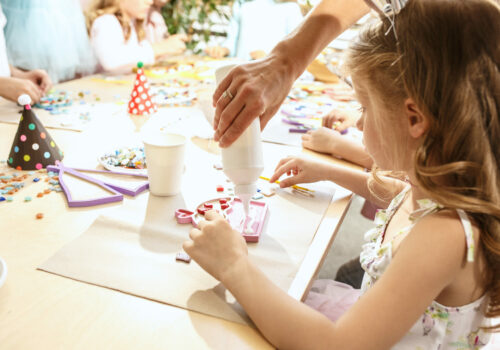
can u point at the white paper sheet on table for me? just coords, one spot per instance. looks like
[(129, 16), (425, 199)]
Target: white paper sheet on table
[(132, 248)]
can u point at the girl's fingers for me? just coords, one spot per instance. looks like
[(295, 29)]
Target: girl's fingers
[(188, 246), (281, 162), (212, 215), (285, 168), (290, 181), (194, 233)]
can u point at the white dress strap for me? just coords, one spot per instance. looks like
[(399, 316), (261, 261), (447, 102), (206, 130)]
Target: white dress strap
[(469, 234)]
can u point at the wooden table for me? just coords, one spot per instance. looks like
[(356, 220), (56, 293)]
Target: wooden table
[(39, 310)]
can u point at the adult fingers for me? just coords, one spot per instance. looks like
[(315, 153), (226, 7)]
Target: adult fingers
[(223, 85), (223, 102), (245, 113)]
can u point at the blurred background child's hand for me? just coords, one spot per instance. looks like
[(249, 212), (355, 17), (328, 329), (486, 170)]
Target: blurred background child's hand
[(322, 140), (217, 51), (12, 88), (340, 119), (257, 54), (40, 78), (173, 45)]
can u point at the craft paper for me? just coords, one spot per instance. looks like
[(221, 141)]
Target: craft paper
[(133, 247)]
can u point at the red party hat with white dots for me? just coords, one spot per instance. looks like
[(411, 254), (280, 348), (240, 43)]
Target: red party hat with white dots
[(140, 101), (33, 147)]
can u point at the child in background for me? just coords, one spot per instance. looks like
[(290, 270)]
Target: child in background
[(15, 82), (48, 35), (118, 37), (256, 27), (156, 29), (432, 265)]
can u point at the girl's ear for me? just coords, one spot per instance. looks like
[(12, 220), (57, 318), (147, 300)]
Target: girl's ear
[(418, 123)]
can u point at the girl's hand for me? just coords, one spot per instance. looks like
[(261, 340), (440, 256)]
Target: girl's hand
[(340, 119), (322, 140), (215, 246), (300, 170)]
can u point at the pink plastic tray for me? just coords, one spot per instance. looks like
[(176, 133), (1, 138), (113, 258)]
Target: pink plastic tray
[(250, 227)]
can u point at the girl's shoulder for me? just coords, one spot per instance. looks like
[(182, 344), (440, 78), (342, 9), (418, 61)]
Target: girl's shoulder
[(449, 230)]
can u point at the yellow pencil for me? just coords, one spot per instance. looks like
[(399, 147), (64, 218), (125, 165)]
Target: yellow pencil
[(293, 186)]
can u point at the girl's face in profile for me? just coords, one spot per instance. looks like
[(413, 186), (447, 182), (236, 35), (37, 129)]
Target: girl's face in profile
[(380, 135), (137, 9)]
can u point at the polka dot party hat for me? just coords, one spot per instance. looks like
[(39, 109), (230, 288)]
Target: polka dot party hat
[(33, 147), (140, 101)]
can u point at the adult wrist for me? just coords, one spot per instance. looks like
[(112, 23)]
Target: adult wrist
[(286, 59)]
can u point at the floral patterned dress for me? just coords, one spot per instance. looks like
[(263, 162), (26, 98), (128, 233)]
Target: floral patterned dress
[(439, 327)]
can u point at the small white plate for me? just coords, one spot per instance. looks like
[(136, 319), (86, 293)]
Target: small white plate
[(3, 271), (102, 160)]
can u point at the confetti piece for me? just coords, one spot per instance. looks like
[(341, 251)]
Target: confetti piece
[(39, 216), (181, 256)]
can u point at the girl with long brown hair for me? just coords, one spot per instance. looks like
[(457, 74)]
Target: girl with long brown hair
[(427, 76)]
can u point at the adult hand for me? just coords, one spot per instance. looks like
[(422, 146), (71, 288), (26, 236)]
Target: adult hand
[(258, 88), (12, 88), (216, 246), (322, 140), (300, 170), (340, 119)]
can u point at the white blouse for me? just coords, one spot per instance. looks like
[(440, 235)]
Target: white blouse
[(110, 47)]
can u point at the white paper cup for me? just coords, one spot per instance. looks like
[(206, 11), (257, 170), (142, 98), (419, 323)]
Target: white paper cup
[(165, 162)]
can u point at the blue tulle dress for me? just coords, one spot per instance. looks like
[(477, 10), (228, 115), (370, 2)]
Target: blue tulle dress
[(50, 35)]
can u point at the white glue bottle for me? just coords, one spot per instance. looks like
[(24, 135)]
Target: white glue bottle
[(243, 161)]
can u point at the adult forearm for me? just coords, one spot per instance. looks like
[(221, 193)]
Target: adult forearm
[(325, 22)]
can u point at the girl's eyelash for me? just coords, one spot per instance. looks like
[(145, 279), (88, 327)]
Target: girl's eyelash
[(362, 109)]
